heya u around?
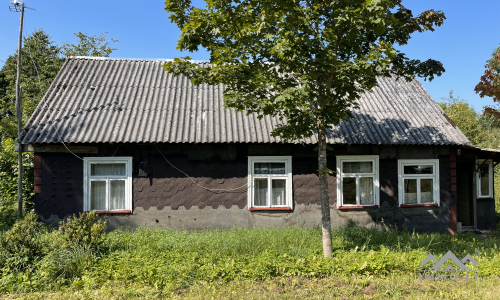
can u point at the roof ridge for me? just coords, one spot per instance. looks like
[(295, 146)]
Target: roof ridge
[(131, 59)]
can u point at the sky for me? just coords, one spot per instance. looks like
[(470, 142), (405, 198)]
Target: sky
[(463, 44)]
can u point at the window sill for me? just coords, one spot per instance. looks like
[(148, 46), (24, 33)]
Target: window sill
[(419, 205), (102, 212), (269, 208), (357, 207)]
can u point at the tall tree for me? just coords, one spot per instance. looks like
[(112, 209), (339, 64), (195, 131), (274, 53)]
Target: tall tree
[(489, 85), (95, 45), (40, 61), (481, 129), (307, 62)]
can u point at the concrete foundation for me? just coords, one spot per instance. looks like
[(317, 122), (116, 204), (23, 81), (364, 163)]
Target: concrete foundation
[(420, 219)]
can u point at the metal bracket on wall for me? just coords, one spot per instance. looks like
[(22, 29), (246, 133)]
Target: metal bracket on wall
[(479, 168)]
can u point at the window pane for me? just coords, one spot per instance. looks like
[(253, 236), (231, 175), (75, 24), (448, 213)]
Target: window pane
[(485, 180), (420, 169), (107, 169), (279, 194), (98, 195), (410, 191), (260, 192), (269, 168), (116, 194), (366, 190), (426, 191), (349, 190), (358, 167)]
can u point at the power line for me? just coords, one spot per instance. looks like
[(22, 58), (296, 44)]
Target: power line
[(44, 102)]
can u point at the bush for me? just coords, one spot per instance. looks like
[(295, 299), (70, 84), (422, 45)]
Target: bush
[(84, 230), (67, 263), (8, 213), (20, 246), (8, 183)]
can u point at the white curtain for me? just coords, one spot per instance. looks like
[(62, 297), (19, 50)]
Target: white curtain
[(426, 191), (107, 169), (366, 190), (260, 191), (269, 168), (98, 195), (358, 167), (278, 188), (117, 194)]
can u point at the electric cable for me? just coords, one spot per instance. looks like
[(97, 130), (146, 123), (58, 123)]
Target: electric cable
[(44, 102), (62, 140), (227, 190)]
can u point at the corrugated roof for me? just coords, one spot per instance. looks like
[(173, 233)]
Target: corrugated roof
[(136, 101)]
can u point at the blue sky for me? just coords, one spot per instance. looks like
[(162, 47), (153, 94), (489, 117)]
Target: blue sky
[(462, 44)]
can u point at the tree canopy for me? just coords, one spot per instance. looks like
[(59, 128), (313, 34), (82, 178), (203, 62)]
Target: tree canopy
[(40, 62), (306, 62), (489, 85), (285, 57), (481, 129), (41, 59), (89, 46)]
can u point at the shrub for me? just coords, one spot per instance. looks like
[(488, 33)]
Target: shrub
[(67, 263), (20, 246), (8, 182), (83, 230), (8, 213)]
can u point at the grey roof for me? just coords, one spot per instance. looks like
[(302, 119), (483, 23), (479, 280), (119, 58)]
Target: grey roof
[(95, 100)]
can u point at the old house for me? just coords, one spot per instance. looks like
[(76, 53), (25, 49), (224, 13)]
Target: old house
[(149, 149)]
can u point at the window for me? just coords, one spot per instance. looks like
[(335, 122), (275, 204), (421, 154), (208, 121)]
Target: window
[(357, 178), (270, 183), (484, 178), (418, 182), (108, 184)]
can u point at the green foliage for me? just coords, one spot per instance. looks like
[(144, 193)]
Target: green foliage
[(40, 62), (20, 246), (489, 85), (66, 263), (41, 59), (89, 46), (481, 130), (168, 260), (304, 61), (8, 183), (83, 230)]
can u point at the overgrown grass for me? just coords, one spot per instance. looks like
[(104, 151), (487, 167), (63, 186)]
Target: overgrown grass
[(366, 287), (168, 260)]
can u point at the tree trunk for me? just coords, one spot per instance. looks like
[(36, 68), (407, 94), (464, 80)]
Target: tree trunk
[(323, 188)]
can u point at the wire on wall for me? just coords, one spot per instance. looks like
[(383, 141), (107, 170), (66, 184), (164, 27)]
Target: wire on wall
[(226, 190), (62, 140)]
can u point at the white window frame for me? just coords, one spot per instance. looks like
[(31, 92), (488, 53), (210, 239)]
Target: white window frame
[(341, 175), (288, 176), (88, 161), (434, 177), (479, 162)]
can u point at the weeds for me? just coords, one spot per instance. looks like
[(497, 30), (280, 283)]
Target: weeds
[(169, 260)]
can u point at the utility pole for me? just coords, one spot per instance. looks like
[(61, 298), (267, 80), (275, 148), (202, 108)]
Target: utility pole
[(19, 111)]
